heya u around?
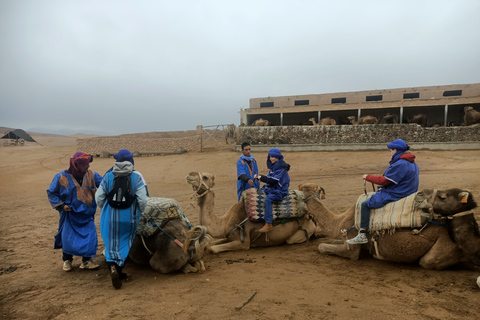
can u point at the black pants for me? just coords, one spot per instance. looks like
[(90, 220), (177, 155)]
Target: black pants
[(67, 256)]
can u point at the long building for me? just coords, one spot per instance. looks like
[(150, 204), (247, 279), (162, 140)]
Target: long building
[(443, 105)]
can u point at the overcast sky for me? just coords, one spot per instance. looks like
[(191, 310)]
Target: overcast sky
[(113, 67)]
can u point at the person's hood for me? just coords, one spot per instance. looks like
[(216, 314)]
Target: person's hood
[(122, 168), (274, 153), (408, 156)]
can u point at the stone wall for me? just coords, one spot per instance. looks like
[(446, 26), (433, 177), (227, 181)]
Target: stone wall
[(348, 134), (150, 142)]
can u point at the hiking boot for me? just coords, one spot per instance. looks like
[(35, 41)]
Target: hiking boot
[(67, 265), (89, 264), (361, 238), (116, 281), (267, 227)]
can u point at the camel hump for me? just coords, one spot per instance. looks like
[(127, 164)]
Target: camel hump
[(292, 205), (158, 210), (402, 213)]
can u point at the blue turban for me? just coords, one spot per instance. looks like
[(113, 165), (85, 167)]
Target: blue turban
[(124, 155), (398, 144)]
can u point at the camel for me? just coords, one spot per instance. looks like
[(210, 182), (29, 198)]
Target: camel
[(230, 132), (420, 119), (260, 123), (472, 116), (389, 118), (363, 120), (431, 247), (164, 255), (222, 226), (323, 122)]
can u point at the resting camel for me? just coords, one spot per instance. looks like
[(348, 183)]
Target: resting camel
[(432, 248), (164, 255), (261, 123), (323, 122), (220, 226), (363, 120), (389, 118), (471, 116), (420, 119)]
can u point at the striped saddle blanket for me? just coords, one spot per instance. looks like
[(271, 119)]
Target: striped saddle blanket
[(292, 205), (399, 214), (158, 210)]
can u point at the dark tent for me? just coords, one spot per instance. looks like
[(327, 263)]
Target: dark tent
[(18, 134)]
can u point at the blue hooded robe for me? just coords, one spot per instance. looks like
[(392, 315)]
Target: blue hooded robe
[(244, 170)]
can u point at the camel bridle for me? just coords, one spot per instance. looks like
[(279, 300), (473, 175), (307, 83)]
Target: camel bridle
[(200, 183)]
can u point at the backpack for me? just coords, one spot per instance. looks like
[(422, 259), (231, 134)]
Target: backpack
[(120, 196)]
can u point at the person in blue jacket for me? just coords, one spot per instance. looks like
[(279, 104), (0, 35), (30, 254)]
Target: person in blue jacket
[(72, 194), (118, 227), (247, 168), (400, 180), (277, 182)]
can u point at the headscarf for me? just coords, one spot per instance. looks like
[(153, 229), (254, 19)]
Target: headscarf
[(124, 155), (273, 153), (401, 146), (79, 158)]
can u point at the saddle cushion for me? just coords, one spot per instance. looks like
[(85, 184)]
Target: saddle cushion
[(398, 214), (292, 205), (159, 209)]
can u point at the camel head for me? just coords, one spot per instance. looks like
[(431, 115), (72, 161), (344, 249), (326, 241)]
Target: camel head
[(445, 202), (201, 182), (466, 109), (197, 243), (311, 189), (351, 119)]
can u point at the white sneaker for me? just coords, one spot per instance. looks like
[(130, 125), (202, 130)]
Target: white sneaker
[(89, 264), (361, 238), (67, 265)]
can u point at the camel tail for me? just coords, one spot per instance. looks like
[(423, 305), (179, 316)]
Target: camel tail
[(196, 242)]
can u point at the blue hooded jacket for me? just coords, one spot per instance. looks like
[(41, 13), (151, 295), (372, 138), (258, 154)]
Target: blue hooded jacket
[(402, 172), (277, 181)]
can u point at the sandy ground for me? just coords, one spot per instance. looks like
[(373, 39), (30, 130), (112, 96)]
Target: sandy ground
[(291, 281)]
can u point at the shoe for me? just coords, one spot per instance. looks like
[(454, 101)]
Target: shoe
[(116, 281), (89, 264), (267, 227), (67, 265), (361, 238)]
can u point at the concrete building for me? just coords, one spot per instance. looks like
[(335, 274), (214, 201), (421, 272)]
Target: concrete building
[(443, 105)]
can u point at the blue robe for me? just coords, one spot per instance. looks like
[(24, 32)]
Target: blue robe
[(119, 226), (77, 234), (404, 175), (243, 168)]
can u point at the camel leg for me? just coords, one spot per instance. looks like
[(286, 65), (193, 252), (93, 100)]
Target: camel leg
[(199, 265), (218, 241), (188, 268), (341, 250), (231, 246), (444, 253), (299, 236)]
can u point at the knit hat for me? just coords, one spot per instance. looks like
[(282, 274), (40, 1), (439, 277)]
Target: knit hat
[(124, 155), (398, 144)]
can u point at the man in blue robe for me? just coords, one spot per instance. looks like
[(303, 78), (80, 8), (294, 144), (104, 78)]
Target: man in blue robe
[(72, 194), (247, 168), (119, 226), (400, 180)]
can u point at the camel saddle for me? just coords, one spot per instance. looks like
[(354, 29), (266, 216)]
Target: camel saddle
[(292, 205), (159, 210), (402, 213)]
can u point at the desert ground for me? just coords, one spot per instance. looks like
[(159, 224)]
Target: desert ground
[(290, 281)]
